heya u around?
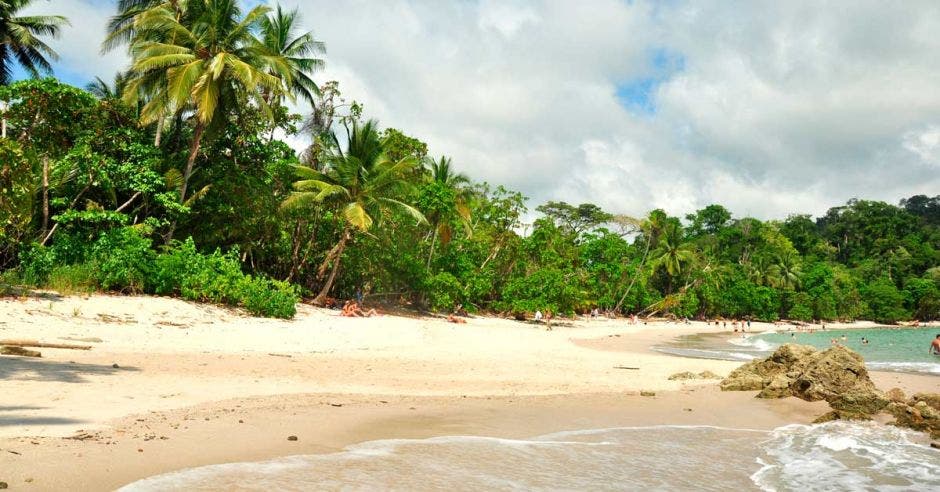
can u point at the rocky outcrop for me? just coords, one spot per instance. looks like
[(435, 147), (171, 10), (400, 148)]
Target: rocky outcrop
[(804, 372), (920, 412), (688, 375), (838, 376)]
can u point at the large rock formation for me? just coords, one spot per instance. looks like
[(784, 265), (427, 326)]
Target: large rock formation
[(804, 372), (838, 376)]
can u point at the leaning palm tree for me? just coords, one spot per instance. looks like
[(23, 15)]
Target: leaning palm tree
[(294, 53), (651, 228), (209, 64), (362, 183), (20, 39), (446, 180)]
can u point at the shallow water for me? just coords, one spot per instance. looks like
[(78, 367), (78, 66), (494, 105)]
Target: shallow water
[(889, 349), (832, 456)]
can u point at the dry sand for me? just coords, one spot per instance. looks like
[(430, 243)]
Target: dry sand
[(170, 384)]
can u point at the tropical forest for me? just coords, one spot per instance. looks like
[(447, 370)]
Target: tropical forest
[(175, 178)]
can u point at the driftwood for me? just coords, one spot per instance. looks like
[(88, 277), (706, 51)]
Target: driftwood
[(34, 343), (19, 351), (625, 367)]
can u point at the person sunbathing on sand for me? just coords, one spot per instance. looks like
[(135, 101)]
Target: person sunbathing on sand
[(453, 319), (352, 310)]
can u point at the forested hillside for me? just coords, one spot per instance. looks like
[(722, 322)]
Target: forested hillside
[(173, 179)]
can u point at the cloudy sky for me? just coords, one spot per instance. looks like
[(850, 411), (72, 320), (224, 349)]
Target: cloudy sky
[(766, 107)]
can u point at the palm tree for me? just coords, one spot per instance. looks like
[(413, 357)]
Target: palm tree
[(362, 183), (786, 270), (672, 254), (104, 91), (443, 177), (20, 39), (20, 43), (651, 228), (203, 58), (295, 53)]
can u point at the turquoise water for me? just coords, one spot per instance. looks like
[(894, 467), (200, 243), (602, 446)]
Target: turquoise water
[(901, 349), (831, 456), (889, 349)]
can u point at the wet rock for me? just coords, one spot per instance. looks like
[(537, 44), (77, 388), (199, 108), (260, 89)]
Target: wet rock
[(708, 375), (919, 413), (681, 376), (115, 366), (935, 444), (291, 438), (896, 395)]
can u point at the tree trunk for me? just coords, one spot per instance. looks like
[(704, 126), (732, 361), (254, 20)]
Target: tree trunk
[(45, 194), (188, 171), (633, 280), (431, 253), (193, 151), (159, 135), (321, 297)]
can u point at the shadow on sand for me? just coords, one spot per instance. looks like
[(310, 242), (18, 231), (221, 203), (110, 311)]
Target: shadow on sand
[(30, 369)]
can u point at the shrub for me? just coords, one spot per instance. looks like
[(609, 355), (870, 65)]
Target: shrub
[(802, 308), (444, 292), (218, 278), (36, 262), (71, 279), (123, 260)]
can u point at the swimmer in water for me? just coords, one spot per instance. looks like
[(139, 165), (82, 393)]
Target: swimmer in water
[(864, 341), (935, 346)]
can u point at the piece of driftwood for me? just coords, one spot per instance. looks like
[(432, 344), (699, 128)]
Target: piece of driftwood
[(625, 367), (4, 350), (34, 343)]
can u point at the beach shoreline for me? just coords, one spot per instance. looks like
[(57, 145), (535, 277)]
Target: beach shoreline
[(170, 385)]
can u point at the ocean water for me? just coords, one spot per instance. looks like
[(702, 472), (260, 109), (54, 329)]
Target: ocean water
[(831, 456), (889, 349)]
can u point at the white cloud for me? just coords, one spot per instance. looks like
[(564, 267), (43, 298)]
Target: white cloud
[(776, 107), (79, 45)]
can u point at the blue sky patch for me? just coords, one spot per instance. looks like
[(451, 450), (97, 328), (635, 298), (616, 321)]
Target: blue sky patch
[(639, 95)]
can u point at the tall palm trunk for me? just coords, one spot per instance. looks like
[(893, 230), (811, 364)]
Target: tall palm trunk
[(431, 253), (337, 256), (45, 194), (159, 135), (188, 171), (646, 252)]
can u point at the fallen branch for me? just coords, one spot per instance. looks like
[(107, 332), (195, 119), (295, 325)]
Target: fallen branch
[(625, 367), (33, 343), (4, 350)]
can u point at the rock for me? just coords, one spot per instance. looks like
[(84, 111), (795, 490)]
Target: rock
[(896, 395), (918, 413), (291, 438), (115, 366), (708, 375), (6, 350), (932, 399), (778, 387), (935, 444), (742, 382), (647, 393), (680, 376), (3, 485), (758, 373), (828, 375)]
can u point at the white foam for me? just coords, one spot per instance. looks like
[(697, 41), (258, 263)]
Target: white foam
[(754, 342), (927, 367), (846, 456)]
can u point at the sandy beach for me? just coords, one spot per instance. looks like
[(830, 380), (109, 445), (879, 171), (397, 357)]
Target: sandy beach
[(169, 384)]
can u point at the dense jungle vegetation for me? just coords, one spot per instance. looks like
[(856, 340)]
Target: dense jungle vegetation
[(172, 179)]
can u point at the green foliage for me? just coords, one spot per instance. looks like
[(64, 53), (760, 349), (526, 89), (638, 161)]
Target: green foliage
[(36, 263), (885, 302), (802, 307), (122, 260), (218, 278), (444, 292)]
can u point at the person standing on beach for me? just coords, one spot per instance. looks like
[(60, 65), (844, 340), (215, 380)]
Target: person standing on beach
[(935, 346)]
